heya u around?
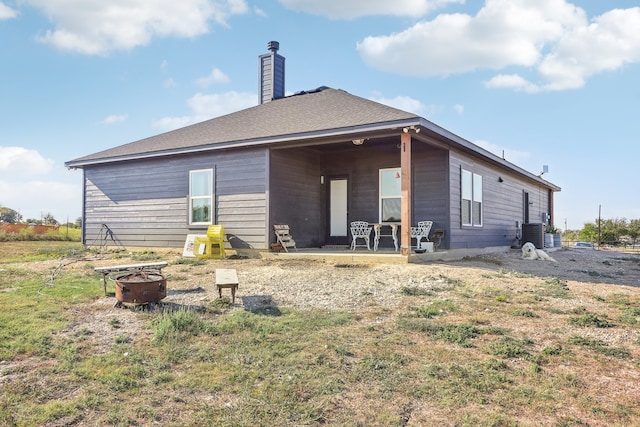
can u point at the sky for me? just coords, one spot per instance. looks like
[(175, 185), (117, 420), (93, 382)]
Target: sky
[(545, 82)]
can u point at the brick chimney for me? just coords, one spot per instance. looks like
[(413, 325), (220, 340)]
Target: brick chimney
[(271, 85)]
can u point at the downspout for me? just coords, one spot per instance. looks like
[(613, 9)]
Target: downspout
[(84, 208), (405, 191), (552, 221)]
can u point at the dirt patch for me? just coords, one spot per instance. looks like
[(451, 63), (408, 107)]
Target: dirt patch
[(581, 265)]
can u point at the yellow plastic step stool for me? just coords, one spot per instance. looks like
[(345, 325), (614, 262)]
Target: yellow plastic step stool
[(213, 243)]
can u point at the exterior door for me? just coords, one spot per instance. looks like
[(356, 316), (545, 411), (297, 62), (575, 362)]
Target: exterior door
[(338, 211)]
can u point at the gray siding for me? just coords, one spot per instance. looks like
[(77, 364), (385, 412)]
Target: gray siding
[(430, 188), (502, 204), (145, 203), (296, 195)]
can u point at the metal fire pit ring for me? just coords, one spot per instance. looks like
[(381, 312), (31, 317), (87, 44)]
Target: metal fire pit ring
[(140, 287)]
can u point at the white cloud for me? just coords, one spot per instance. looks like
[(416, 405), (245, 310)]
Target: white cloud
[(340, 9), (512, 81), (552, 37), (608, 43), (109, 120), (6, 12), (96, 27), (404, 103), (205, 107), (34, 198), (259, 12), (513, 156), (216, 76), (459, 109), (18, 162), (31, 197)]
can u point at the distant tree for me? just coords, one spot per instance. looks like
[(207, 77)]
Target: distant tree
[(9, 215), (571, 235), (633, 230), (78, 222), (611, 231), (33, 221), (607, 231), (589, 233), (48, 219), (620, 227)]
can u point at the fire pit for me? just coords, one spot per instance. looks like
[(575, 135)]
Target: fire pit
[(141, 287)]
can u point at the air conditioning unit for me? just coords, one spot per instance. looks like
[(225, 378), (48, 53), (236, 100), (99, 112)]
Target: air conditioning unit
[(534, 233)]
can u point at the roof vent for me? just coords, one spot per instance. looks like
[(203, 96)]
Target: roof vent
[(273, 46)]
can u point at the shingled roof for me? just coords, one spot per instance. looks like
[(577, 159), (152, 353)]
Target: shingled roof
[(321, 111)]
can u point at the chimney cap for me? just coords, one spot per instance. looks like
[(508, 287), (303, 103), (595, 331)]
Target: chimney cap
[(273, 46)]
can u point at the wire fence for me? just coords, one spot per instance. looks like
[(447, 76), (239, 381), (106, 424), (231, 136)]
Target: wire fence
[(623, 247)]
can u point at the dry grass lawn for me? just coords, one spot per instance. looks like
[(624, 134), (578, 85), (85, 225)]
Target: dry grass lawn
[(489, 341)]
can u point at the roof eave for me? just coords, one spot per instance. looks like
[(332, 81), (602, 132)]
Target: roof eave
[(346, 133), (342, 133), (469, 146)]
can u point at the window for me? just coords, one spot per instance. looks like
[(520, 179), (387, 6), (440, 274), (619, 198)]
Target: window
[(471, 190), (390, 194), (201, 196)]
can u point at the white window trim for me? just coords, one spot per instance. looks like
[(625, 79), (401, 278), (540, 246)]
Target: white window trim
[(476, 181), (209, 197), (380, 196)]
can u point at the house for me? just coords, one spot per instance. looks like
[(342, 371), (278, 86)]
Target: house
[(315, 160)]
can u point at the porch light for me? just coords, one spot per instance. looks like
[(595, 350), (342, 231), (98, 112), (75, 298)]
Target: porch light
[(358, 141)]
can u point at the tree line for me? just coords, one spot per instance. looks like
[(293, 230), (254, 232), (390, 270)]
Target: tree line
[(14, 217), (618, 231)]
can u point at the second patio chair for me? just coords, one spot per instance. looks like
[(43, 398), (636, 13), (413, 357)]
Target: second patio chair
[(421, 232), (360, 230), (283, 237)]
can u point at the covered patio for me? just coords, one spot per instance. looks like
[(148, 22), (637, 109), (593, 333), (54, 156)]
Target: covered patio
[(391, 182)]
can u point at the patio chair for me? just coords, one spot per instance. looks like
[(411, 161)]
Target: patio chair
[(283, 237), (360, 230), (421, 231)]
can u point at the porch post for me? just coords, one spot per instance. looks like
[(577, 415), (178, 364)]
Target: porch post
[(405, 201)]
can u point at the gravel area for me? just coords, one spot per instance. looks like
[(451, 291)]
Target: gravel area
[(306, 284)]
